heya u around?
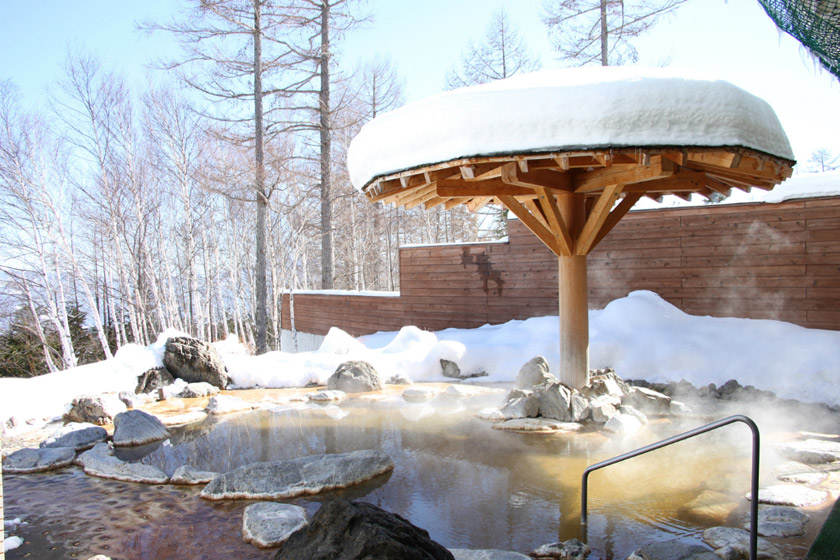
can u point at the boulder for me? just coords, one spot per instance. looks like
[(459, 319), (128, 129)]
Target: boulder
[(129, 399), (193, 360), (343, 530), (623, 424), (185, 474), (178, 420), (779, 521), (27, 460), (527, 406), (297, 477), (153, 379), (537, 425), (95, 409), (737, 541), (811, 451), (420, 394), (269, 524), (790, 495), (629, 410), (648, 401), (579, 407), (602, 408), (673, 550), (79, 436), (555, 401), (533, 373), (490, 414), (198, 389), (227, 404), (355, 377), (605, 382), (101, 462), (136, 427), (326, 396), (399, 379), (569, 550), (486, 554)]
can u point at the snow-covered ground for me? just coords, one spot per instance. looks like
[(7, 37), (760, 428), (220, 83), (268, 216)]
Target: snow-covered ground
[(641, 336)]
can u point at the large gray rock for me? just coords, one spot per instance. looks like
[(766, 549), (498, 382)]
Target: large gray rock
[(737, 542), (101, 462), (555, 401), (527, 406), (486, 554), (79, 436), (605, 382), (355, 377), (623, 424), (673, 550), (269, 524), (227, 404), (95, 409), (534, 372), (359, 531), (779, 521), (790, 495), (153, 379), (27, 460), (198, 389), (193, 360), (569, 550), (602, 408), (579, 408), (297, 477), (188, 475), (811, 451), (648, 401), (135, 427)]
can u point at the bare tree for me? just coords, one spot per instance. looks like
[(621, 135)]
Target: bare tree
[(501, 54), (823, 160), (585, 31)]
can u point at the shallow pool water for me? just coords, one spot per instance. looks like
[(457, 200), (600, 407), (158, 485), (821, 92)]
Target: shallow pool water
[(467, 484)]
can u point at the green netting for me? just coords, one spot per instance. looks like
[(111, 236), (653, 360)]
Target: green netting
[(814, 23)]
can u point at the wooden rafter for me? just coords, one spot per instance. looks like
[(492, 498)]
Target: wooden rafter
[(541, 231), (596, 219)]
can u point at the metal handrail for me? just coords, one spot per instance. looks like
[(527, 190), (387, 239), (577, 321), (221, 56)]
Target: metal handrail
[(676, 439)]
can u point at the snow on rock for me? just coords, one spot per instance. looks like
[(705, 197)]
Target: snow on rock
[(12, 543), (566, 109)]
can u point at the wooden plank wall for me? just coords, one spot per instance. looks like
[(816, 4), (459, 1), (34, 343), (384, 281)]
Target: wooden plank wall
[(762, 261)]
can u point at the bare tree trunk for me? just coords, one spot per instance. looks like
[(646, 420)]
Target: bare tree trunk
[(604, 35), (38, 329), (259, 187), (327, 255)]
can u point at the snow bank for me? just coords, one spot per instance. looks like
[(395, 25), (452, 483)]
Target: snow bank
[(566, 109)]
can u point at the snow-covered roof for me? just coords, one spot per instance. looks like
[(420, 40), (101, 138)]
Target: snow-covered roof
[(564, 110)]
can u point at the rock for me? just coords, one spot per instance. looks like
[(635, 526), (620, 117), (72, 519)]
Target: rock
[(153, 379), (569, 550), (673, 550), (399, 379), (198, 389), (555, 401), (79, 436), (799, 473), (579, 407), (193, 360), (602, 408), (136, 427), (178, 420), (185, 474), (100, 462), (811, 451), (778, 521), (521, 407), (269, 524), (633, 412), (710, 506), (227, 404), (623, 424), (648, 401), (355, 377), (605, 382), (790, 495), (420, 394), (356, 530), (296, 477), (326, 396), (95, 409), (680, 409), (738, 540), (537, 425), (486, 554), (533, 373), (129, 399), (28, 460), (490, 414), (450, 369)]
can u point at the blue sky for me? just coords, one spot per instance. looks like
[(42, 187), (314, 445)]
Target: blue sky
[(732, 40)]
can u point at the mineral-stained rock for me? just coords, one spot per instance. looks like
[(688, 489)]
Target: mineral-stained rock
[(420, 394), (193, 360), (355, 377), (738, 540), (811, 451), (296, 477), (356, 530), (486, 554), (790, 495), (673, 550), (527, 406), (153, 379), (198, 389), (270, 524), (79, 436), (533, 373), (779, 521), (555, 401), (136, 427), (27, 460), (226, 404), (185, 474), (326, 396), (100, 462), (648, 401), (95, 409), (569, 550)]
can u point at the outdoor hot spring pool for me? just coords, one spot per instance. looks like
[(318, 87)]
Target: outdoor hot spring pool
[(468, 485)]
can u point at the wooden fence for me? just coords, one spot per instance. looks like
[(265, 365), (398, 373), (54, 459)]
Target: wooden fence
[(762, 261)]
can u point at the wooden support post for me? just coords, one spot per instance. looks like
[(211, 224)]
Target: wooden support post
[(573, 299)]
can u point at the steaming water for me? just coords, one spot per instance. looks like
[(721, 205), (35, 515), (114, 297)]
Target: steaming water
[(470, 486)]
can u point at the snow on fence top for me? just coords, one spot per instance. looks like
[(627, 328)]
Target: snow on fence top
[(565, 110)]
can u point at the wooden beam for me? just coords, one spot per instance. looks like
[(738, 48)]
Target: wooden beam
[(420, 199), (528, 220), (598, 179), (629, 200), (462, 189), (478, 203), (596, 218), (407, 197), (512, 175), (684, 181), (555, 220)]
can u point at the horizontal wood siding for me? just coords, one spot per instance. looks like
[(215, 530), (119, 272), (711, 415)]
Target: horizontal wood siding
[(760, 261)]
